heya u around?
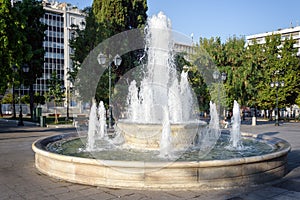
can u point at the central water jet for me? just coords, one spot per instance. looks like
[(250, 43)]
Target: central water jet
[(161, 112)]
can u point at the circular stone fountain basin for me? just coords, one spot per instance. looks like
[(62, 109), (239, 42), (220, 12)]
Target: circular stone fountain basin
[(148, 136), (164, 175)]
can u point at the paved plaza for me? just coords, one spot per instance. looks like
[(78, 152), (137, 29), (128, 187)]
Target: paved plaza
[(19, 179)]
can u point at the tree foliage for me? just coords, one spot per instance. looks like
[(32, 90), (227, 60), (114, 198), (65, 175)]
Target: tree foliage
[(105, 19), (33, 52), (11, 41), (56, 91), (251, 68), (21, 40)]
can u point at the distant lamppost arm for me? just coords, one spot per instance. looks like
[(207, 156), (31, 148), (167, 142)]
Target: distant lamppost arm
[(219, 77), (277, 85), (117, 62)]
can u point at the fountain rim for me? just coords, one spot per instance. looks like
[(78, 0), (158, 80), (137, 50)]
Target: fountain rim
[(283, 148), (191, 122)]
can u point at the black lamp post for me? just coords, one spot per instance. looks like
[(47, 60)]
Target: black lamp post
[(101, 58), (13, 93), (25, 69), (67, 97), (277, 85), (217, 77)]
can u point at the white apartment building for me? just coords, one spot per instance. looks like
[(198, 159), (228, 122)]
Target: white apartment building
[(59, 17), (293, 32)]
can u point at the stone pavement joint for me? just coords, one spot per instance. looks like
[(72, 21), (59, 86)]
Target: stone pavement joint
[(19, 179)]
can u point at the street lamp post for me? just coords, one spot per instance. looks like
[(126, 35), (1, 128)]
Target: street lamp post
[(216, 76), (68, 98), (13, 94), (25, 68), (117, 62), (277, 85)]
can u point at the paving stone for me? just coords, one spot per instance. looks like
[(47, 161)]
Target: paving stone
[(119, 192), (57, 190), (252, 196), (293, 185), (75, 187), (290, 195), (270, 192), (70, 195), (105, 196), (12, 197), (159, 195), (90, 191), (19, 179), (33, 194)]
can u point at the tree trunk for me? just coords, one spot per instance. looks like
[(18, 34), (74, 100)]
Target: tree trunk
[(55, 114), (14, 103), (31, 101), (1, 114)]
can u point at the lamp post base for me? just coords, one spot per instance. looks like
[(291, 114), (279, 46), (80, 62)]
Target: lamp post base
[(276, 120), (20, 122)]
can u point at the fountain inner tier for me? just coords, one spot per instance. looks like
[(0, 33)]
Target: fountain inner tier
[(148, 136)]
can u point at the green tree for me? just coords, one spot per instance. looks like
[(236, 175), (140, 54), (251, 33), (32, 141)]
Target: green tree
[(39, 99), (290, 67), (273, 61), (120, 15), (105, 19), (226, 57), (116, 17), (84, 41), (56, 93), (270, 52), (7, 99), (32, 11), (21, 36), (11, 41), (252, 73), (234, 56)]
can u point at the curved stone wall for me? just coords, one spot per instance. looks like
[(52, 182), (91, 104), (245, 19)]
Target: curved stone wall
[(163, 175)]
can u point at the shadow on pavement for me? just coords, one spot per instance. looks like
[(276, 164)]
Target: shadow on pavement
[(269, 133), (293, 160)]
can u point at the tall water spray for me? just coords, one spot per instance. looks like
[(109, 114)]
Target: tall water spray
[(160, 87), (209, 136), (235, 132), (166, 139), (102, 130), (97, 125), (92, 131)]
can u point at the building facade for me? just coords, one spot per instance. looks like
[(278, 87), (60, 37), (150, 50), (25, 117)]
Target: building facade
[(293, 32), (59, 18)]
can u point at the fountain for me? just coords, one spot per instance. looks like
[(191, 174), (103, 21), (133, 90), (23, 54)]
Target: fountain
[(235, 130), (161, 97), (160, 144)]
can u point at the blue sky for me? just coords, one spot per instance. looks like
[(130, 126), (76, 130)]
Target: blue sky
[(224, 18)]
